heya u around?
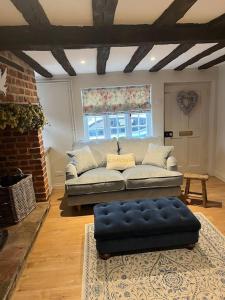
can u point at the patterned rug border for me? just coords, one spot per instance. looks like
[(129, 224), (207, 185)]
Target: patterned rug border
[(85, 256)]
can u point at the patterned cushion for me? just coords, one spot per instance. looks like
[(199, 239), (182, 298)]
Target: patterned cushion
[(120, 162)]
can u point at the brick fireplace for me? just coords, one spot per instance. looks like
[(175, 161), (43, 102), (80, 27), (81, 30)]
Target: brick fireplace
[(22, 150)]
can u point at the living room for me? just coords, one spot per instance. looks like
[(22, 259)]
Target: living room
[(113, 110)]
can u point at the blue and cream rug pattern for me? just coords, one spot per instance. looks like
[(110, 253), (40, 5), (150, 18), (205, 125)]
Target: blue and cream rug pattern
[(162, 275)]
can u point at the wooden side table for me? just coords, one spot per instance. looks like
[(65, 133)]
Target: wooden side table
[(203, 179)]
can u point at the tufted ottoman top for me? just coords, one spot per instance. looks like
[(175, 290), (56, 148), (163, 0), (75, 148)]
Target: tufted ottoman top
[(124, 219)]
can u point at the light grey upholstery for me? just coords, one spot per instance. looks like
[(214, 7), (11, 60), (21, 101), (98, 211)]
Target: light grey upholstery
[(146, 176), (100, 149), (141, 181), (137, 146), (71, 171), (98, 180), (171, 163)]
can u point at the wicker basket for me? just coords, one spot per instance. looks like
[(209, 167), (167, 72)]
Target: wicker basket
[(17, 198)]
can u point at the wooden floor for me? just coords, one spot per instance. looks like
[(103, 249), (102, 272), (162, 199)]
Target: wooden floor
[(54, 267)]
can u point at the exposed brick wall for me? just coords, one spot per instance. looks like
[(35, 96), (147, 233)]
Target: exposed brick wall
[(21, 84), (25, 151)]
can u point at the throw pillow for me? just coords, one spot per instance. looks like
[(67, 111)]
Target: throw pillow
[(157, 155), (120, 162), (83, 159)]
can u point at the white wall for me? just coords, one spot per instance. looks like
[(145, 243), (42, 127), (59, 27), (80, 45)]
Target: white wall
[(157, 82), (220, 124)]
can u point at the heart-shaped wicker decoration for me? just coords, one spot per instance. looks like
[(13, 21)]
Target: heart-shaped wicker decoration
[(187, 101)]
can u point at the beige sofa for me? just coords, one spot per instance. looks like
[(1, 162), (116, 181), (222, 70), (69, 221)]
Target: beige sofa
[(139, 182)]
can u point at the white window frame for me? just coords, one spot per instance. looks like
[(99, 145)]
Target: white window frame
[(128, 125)]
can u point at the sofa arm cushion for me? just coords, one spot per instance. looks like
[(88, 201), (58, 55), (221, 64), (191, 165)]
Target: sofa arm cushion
[(171, 163), (71, 171)]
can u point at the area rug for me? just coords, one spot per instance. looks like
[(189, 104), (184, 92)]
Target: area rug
[(161, 275)]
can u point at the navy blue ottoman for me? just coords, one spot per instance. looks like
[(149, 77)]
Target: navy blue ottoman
[(140, 225)]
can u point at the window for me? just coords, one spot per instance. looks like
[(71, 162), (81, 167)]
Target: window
[(117, 112), (118, 125)]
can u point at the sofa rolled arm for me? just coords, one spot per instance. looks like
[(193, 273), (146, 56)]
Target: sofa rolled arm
[(171, 163), (71, 171)]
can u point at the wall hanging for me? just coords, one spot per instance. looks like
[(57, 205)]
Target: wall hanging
[(3, 87), (187, 100)]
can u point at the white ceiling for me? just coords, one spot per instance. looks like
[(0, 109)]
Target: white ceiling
[(79, 12)]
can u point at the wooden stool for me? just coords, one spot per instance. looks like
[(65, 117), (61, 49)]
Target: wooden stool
[(203, 179)]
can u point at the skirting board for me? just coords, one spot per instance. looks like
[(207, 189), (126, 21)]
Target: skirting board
[(219, 175)]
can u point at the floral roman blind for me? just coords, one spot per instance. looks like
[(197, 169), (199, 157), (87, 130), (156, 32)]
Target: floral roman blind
[(116, 99)]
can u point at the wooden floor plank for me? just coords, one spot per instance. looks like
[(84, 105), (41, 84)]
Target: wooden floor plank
[(54, 267)]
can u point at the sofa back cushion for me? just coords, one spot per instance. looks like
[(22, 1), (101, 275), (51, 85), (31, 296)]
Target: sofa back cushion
[(138, 146), (83, 159), (100, 149)]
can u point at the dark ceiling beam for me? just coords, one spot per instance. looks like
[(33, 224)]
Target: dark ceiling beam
[(62, 59), (10, 63), (32, 63), (75, 37), (103, 14), (137, 57), (175, 12), (217, 23), (200, 56), (36, 17), (173, 55), (170, 16), (212, 63), (102, 57)]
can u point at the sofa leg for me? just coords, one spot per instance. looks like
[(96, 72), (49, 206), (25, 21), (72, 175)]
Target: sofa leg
[(79, 208), (190, 246), (104, 256)]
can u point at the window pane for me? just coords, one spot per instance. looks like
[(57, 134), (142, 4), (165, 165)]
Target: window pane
[(95, 127), (100, 133), (117, 125), (122, 132), (142, 119), (143, 131), (134, 119)]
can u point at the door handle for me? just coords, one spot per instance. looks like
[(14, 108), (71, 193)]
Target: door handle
[(168, 134)]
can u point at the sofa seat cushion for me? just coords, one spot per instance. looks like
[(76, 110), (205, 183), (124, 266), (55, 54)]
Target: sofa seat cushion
[(146, 176), (143, 218), (98, 180)]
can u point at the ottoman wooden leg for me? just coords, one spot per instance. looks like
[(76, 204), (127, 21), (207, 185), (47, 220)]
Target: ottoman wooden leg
[(204, 193), (104, 256), (190, 247)]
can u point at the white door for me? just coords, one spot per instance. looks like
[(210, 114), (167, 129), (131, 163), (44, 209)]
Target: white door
[(190, 131)]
